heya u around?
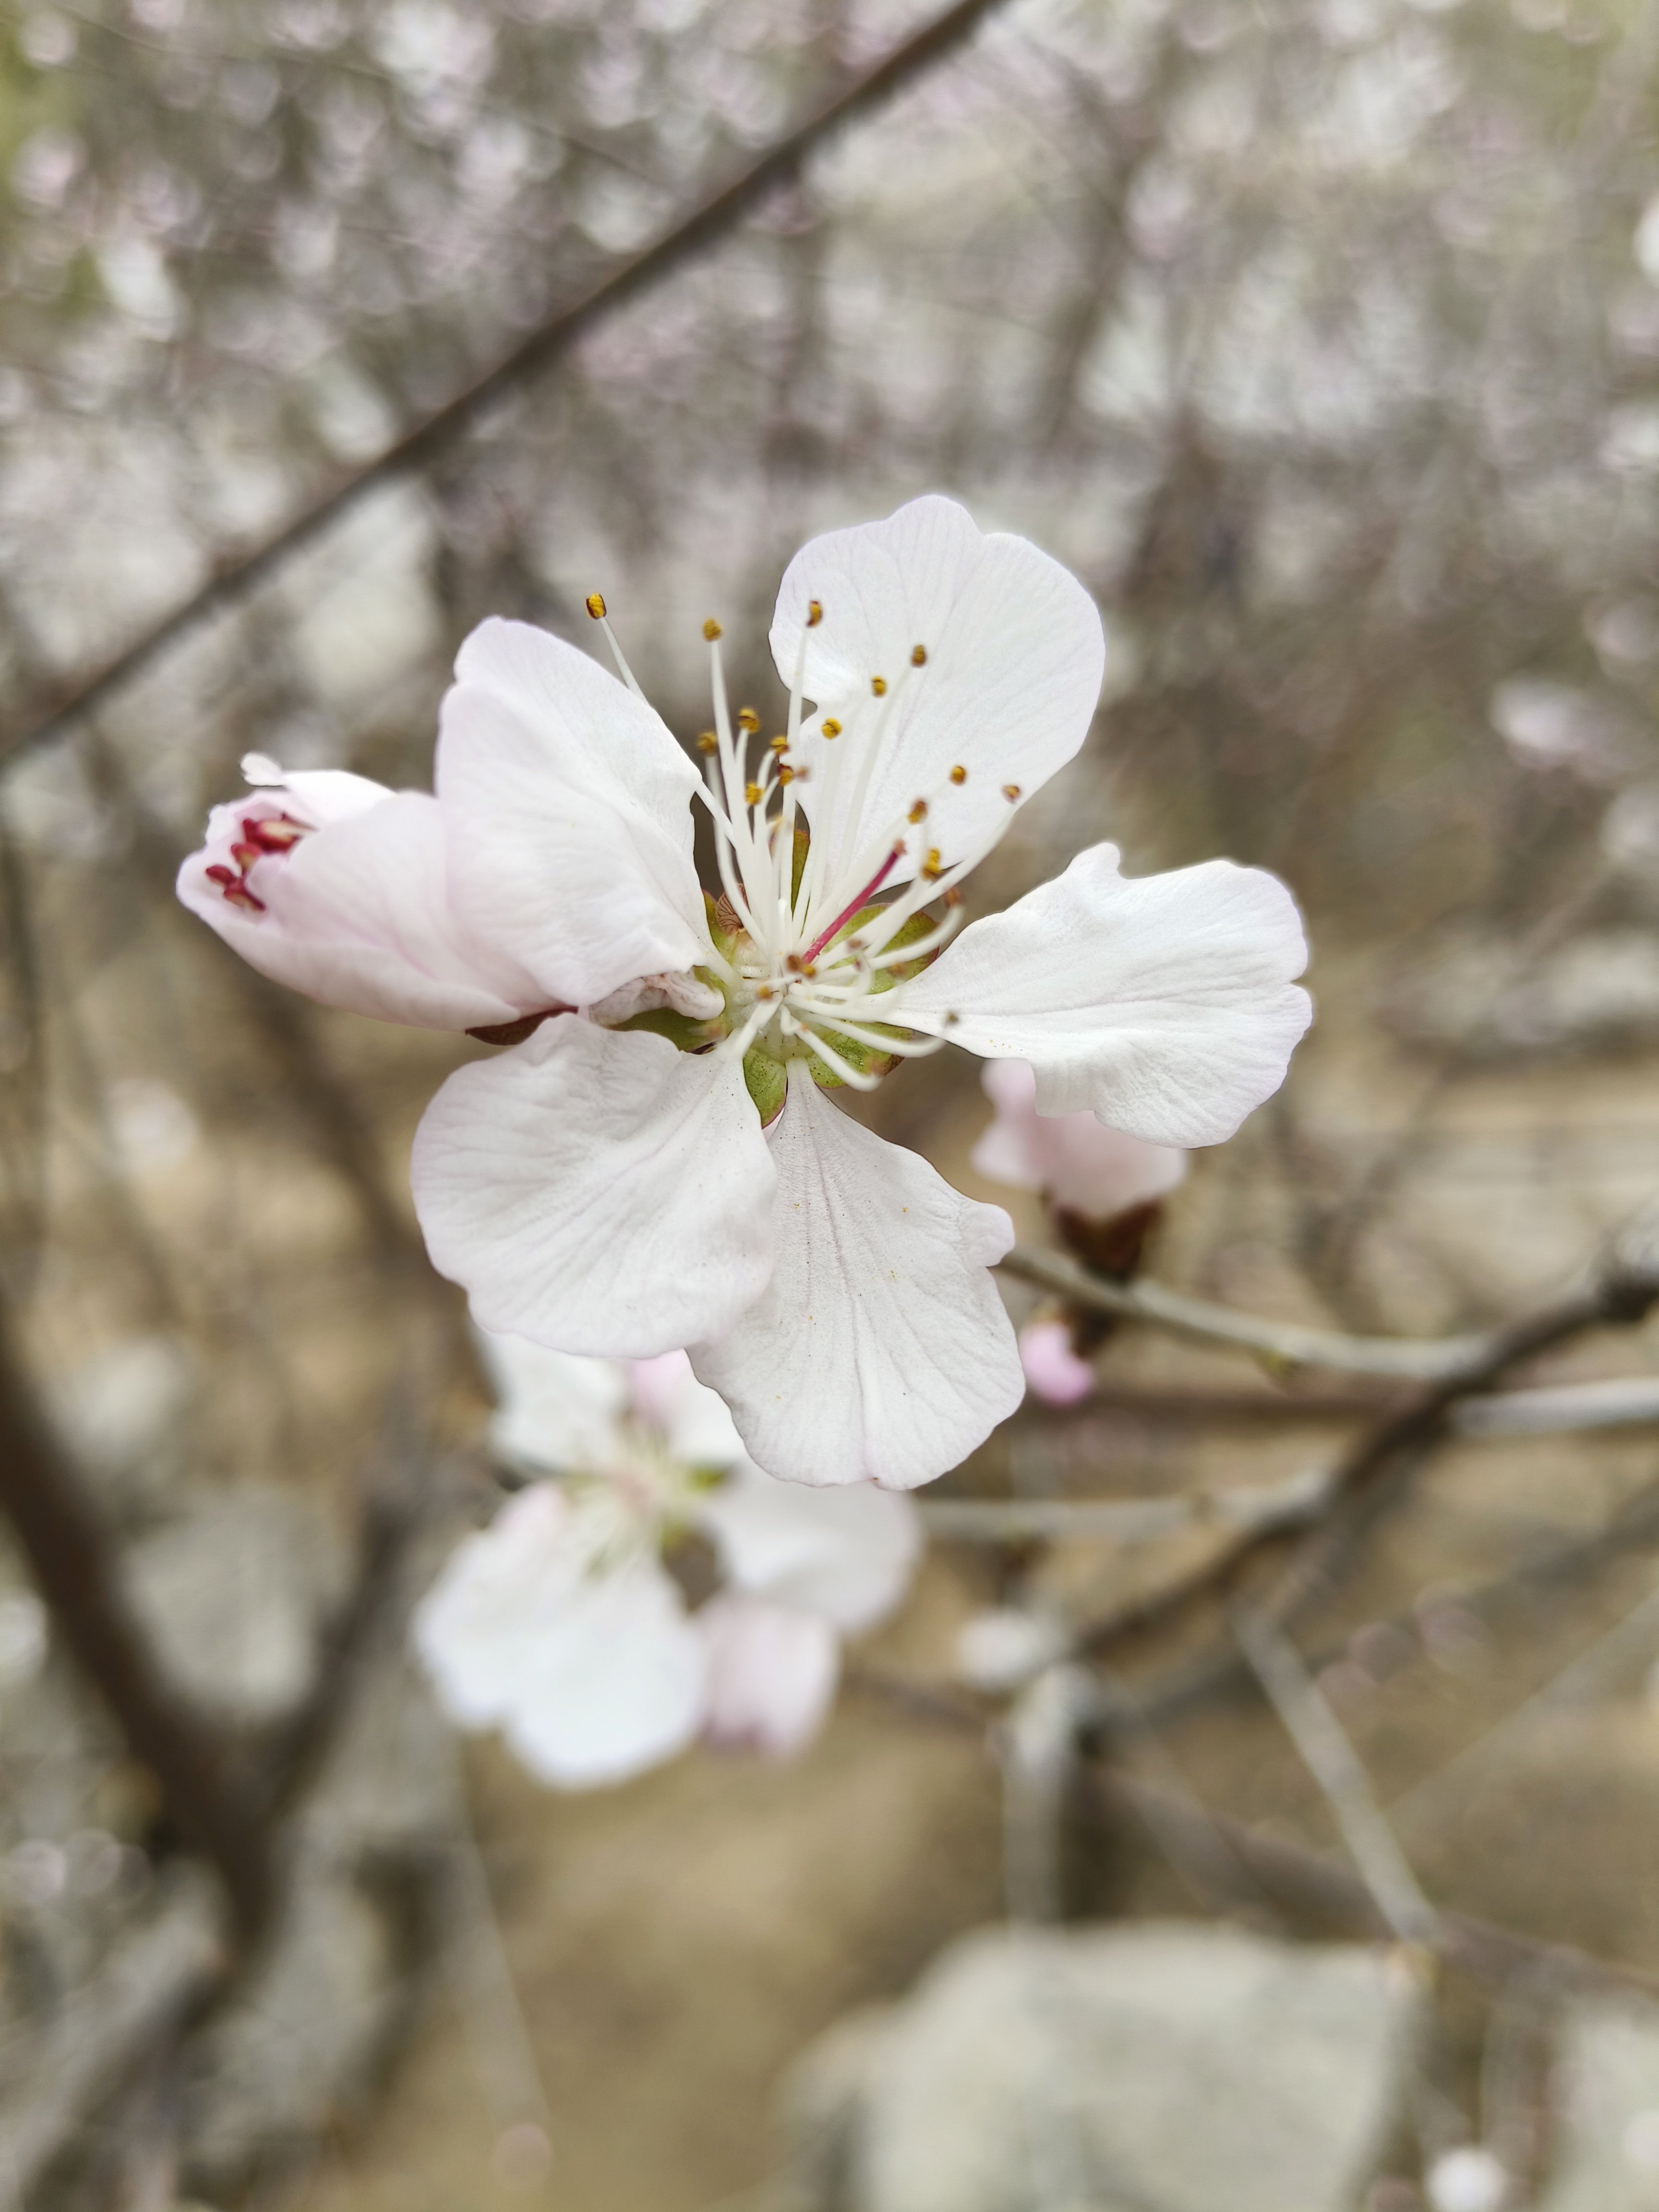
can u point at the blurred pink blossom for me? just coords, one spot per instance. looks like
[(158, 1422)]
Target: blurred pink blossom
[(1074, 1159)]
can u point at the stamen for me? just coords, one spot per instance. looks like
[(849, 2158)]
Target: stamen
[(595, 604), (245, 856), (1011, 792), (918, 656), (860, 898), (814, 613), (239, 894), (785, 775), (878, 685), (708, 742), (919, 812), (930, 866), (830, 727), (711, 630), (278, 834), (748, 719), (779, 744), (958, 775), (752, 792)]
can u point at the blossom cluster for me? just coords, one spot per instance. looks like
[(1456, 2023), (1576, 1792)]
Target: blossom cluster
[(653, 1158)]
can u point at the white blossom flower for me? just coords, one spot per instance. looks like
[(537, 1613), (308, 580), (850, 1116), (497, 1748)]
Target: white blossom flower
[(1082, 1168), (560, 1624), (1074, 1159), (657, 1162)]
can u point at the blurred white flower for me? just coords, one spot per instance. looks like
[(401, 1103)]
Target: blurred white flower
[(1075, 1160), (999, 1649), (560, 1625), (1467, 2179)]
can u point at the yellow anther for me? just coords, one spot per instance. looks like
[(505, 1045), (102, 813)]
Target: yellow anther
[(785, 775), (1011, 792), (793, 964), (748, 719), (951, 1019), (958, 775), (814, 613), (919, 812), (779, 744), (878, 685), (708, 742), (830, 726), (711, 630), (752, 792), (918, 656), (930, 866), (765, 992), (595, 605)]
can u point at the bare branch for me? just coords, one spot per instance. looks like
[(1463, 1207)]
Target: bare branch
[(1288, 1344), (717, 215), (1330, 1759)]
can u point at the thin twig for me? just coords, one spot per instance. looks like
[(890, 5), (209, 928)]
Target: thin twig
[(1287, 1344), (717, 215), (1332, 1761)]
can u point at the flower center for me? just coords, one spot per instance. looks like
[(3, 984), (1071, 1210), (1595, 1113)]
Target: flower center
[(810, 961)]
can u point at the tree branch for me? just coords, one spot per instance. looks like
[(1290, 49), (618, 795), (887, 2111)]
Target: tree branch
[(717, 215)]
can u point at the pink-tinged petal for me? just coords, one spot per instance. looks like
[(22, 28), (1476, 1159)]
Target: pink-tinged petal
[(568, 807), (355, 911), (1076, 1159), (617, 1683), (691, 1420), (1163, 1004), (555, 1411), (772, 1675), (880, 1351), (1054, 1370), (597, 1191), (1008, 688), (846, 1553)]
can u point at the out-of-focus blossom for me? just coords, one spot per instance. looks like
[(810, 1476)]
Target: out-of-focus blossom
[(1104, 1188), (1467, 2179), (999, 1649), (1054, 1369), (1076, 1161), (560, 1623), (656, 1163)]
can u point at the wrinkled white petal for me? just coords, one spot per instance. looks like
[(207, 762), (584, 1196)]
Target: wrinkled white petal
[(846, 1553), (568, 806), (617, 1683), (1014, 659), (358, 914), (555, 1410), (649, 994), (880, 1351), (598, 1191), (1054, 1370), (772, 1675), (1165, 1004), (1076, 1159), (691, 1419)]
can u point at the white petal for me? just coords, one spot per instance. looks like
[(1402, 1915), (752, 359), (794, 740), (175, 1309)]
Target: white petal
[(1080, 1162), (476, 1624), (617, 1683), (1163, 1004), (692, 1421), (1008, 691), (358, 914), (880, 1351), (555, 1409), (847, 1553), (598, 1191), (772, 1673), (569, 803)]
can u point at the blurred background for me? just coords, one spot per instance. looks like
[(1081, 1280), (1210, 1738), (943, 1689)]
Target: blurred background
[(1321, 338)]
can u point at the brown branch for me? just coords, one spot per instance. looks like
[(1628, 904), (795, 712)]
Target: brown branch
[(1309, 1883), (717, 215), (47, 1499), (1619, 1294)]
